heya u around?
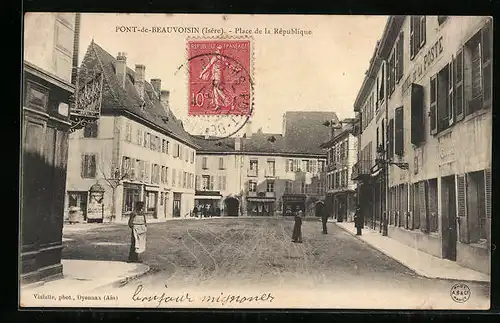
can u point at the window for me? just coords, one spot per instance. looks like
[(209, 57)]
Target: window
[(174, 177), (391, 71), (138, 137), (381, 89), (186, 155), (399, 58), (390, 138), (206, 183), (204, 163), (305, 165), (432, 205), (91, 130), (253, 170), (222, 182), (443, 95), (151, 199), (441, 19), (184, 179), (128, 132), (320, 188), (289, 165), (270, 186), (166, 147), (252, 186), (166, 175), (221, 162), (146, 171), (417, 34), (147, 140), (314, 166), (162, 175), (270, 168), (192, 157), (155, 173), (163, 144), (417, 114), (177, 150), (321, 165), (89, 165), (288, 187), (399, 132), (296, 166)]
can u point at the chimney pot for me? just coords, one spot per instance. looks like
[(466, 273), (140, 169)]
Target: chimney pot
[(156, 84), (140, 76), (121, 68)]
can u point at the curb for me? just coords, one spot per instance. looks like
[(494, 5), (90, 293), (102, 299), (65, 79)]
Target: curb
[(124, 281), (416, 271)]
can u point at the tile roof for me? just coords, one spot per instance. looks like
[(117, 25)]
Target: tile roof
[(115, 97), (303, 135)]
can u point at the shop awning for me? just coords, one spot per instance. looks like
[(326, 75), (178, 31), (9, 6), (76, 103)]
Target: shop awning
[(207, 197)]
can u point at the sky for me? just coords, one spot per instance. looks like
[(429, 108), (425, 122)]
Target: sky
[(322, 71)]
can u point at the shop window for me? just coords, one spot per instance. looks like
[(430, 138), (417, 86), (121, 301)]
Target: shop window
[(417, 114), (91, 130), (89, 166), (432, 205)]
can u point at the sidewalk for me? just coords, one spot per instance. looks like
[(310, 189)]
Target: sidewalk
[(81, 276), (418, 261)]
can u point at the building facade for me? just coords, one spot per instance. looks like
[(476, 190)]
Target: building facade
[(426, 130), (46, 122), (264, 174), (136, 151), (341, 151)]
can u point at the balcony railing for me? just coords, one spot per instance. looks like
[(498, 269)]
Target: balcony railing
[(361, 169)]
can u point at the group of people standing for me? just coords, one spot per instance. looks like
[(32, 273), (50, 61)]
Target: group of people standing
[(322, 213)]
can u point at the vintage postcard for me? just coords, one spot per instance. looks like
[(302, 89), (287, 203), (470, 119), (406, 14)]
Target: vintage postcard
[(256, 161)]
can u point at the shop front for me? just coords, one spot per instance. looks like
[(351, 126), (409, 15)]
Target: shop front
[(151, 199), (207, 203), (131, 194), (292, 203), (260, 205)]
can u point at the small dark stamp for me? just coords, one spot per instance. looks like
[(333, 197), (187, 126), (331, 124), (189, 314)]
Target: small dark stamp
[(219, 77), (460, 293)]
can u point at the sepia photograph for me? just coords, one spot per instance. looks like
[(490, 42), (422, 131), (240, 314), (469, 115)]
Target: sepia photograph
[(239, 161)]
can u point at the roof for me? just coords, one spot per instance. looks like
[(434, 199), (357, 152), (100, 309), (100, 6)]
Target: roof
[(127, 100), (304, 132), (338, 134)]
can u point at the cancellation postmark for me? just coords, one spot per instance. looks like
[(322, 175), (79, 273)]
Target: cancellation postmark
[(220, 85), (460, 293)]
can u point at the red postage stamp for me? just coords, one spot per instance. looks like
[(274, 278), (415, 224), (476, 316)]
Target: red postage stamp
[(219, 77)]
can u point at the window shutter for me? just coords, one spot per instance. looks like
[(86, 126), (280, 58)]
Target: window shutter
[(412, 37), (417, 114), (211, 183), (146, 167), (462, 209), (433, 106), (197, 182), (487, 201), (82, 170), (451, 94), (486, 58), (424, 214), (400, 55), (459, 86), (422, 31), (399, 139)]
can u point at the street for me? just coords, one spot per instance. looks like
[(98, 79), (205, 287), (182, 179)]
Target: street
[(257, 253)]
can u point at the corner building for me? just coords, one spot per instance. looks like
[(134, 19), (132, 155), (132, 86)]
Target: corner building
[(426, 107)]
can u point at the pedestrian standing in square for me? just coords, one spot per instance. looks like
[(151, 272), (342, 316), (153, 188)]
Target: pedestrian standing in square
[(297, 227), (321, 213), (137, 222), (358, 220)]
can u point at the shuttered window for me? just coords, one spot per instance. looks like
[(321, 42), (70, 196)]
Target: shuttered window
[(399, 132), (451, 94), (89, 165), (462, 209), (487, 203), (459, 86), (487, 55), (417, 114), (432, 207), (400, 57), (390, 139), (422, 198), (433, 106), (417, 34)]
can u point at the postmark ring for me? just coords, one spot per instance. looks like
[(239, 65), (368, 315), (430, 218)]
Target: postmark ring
[(460, 293)]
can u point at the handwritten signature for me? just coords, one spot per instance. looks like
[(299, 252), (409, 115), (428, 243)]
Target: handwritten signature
[(223, 299)]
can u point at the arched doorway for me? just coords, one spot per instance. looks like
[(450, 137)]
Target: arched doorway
[(319, 208), (232, 206)]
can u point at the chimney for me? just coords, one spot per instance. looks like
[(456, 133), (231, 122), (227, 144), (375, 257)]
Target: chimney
[(237, 143), (140, 77), (164, 96), (121, 68), (284, 124), (248, 129), (76, 46), (156, 84)]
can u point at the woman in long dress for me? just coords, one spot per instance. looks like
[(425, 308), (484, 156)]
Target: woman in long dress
[(137, 222), (297, 227)]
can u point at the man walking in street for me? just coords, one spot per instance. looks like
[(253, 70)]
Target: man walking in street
[(321, 212)]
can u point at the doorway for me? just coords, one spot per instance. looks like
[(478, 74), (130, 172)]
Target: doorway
[(177, 205), (232, 206), (79, 199), (449, 218)]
